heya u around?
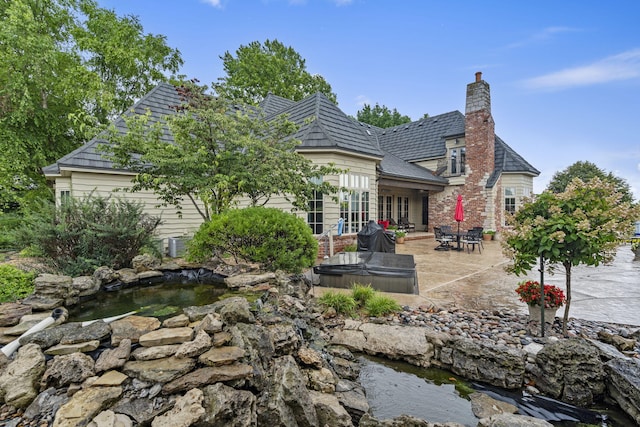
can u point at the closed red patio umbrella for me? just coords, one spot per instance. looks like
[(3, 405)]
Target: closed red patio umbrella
[(459, 216)]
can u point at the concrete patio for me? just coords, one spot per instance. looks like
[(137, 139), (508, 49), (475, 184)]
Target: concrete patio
[(478, 281)]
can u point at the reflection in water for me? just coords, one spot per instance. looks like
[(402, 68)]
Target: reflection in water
[(161, 300), (395, 388)]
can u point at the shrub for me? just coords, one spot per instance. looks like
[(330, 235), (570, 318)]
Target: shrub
[(351, 247), (340, 302), (80, 235), (14, 283), (8, 223), (362, 293), (380, 305), (276, 239)]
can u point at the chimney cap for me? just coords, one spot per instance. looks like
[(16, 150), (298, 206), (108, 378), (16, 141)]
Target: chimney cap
[(478, 76)]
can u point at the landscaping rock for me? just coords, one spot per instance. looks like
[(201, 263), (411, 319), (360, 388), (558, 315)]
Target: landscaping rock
[(85, 285), (159, 370), (206, 376), (286, 401), (110, 419), (497, 365), (67, 369), (330, 411), (226, 406), (19, 382), (145, 262), (12, 312), (132, 327), (570, 370), (85, 405), (186, 411), (623, 385), (114, 358), (166, 336), (200, 344)]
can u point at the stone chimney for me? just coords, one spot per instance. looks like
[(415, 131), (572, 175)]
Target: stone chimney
[(479, 132)]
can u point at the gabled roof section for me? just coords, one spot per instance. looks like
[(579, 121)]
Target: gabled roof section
[(508, 161), (159, 102), (272, 104), (322, 125), (393, 166), (422, 139)]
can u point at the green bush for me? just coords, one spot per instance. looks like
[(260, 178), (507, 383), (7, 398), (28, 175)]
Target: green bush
[(276, 239), (340, 302), (363, 299), (8, 223), (80, 235), (380, 305), (351, 247), (15, 284), (362, 293)]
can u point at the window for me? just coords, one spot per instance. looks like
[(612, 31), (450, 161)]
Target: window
[(458, 157), (315, 214), (389, 207), (65, 195), (403, 207), (354, 203), (381, 208), (454, 162), (510, 200)]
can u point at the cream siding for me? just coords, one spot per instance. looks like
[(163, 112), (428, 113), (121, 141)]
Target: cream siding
[(83, 183)]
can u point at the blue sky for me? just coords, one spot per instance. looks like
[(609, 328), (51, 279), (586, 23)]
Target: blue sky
[(564, 75)]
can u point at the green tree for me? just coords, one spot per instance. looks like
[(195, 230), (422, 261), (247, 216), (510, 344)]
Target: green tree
[(381, 116), (586, 171), (65, 67), (581, 225), (259, 69), (218, 155)]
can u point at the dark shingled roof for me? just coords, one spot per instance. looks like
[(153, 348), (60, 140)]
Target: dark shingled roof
[(423, 139), (507, 160), (394, 167), (323, 125), (272, 104), (159, 102)]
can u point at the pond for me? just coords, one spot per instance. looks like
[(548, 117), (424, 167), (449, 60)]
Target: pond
[(160, 300), (395, 388)]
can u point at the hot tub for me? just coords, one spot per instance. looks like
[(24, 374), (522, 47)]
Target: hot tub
[(387, 272)]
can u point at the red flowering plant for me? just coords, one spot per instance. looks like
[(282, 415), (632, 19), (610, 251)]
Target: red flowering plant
[(529, 292)]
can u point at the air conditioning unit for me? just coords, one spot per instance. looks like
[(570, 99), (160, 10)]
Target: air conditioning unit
[(176, 247)]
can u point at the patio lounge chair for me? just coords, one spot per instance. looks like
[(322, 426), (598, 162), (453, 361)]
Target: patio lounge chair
[(406, 225)]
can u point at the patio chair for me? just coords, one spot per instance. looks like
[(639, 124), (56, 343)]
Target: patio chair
[(406, 225), (444, 240), (480, 230), (471, 239)]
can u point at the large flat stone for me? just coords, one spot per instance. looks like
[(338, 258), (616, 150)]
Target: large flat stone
[(166, 336)]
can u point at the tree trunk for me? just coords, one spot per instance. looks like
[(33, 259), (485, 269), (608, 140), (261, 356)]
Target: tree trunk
[(565, 319)]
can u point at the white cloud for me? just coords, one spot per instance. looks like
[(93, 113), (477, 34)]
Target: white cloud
[(623, 66), (541, 36), (214, 3)]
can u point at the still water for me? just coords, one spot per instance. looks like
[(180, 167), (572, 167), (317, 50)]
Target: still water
[(395, 388), (161, 300)]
